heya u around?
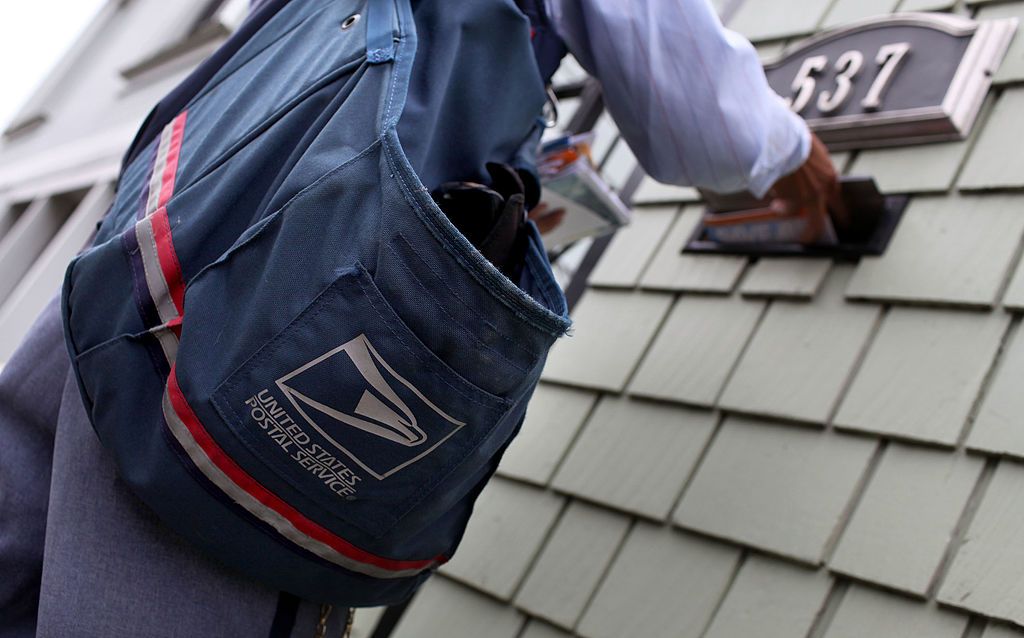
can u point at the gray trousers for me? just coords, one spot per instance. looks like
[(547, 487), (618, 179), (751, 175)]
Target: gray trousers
[(80, 555)]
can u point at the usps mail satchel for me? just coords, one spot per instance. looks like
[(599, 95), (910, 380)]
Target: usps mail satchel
[(295, 358)]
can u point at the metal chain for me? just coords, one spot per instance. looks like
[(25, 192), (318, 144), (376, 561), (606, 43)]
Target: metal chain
[(348, 624), (321, 625), (325, 614)]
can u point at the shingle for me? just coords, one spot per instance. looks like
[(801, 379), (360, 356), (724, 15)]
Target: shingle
[(691, 358), (1014, 298), (365, 621), (632, 247), (783, 277), (846, 11), (509, 523), (663, 584), (923, 373), (904, 522), (1001, 631), (840, 160), (654, 192), (570, 260), (954, 250), (719, 5), (770, 599), (926, 5), (538, 629), (572, 563), (443, 609), (768, 51), (999, 426), (605, 135), (670, 269), (995, 160), (912, 169), (635, 455), (779, 488), (1012, 67), (552, 421), (619, 165), (867, 612), (612, 329), (986, 573), (569, 72), (799, 360), (769, 19)]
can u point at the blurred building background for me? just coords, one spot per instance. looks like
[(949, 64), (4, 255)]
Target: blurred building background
[(726, 447)]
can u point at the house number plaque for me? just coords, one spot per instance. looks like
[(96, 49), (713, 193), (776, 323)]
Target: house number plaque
[(898, 80)]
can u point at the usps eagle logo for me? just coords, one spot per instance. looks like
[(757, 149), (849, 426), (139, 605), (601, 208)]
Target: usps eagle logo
[(364, 408)]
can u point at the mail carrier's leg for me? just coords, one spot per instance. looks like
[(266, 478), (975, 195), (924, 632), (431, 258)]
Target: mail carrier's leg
[(30, 393), (112, 569), (80, 555)]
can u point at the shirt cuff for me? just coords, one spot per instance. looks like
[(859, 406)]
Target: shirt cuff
[(785, 150)]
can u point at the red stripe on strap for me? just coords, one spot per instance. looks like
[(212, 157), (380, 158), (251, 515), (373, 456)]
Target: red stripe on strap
[(169, 263), (175, 327), (247, 483), (168, 258), (173, 154)]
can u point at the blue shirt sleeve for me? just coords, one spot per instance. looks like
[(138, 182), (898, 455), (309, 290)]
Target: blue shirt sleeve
[(689, 96)]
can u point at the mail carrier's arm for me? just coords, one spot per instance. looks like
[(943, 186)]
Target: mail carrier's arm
[(688, 95)]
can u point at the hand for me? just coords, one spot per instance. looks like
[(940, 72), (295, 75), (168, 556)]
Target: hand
[(546, 220), (814, 185)]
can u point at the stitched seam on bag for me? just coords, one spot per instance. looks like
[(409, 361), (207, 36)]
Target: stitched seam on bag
[(445, 367), (451, 317), (106, 345), (272, 217), (208, 89), (334, 171), (444, 282), (543, 289), (440, 307), (470, 453), (313, 310), (392, 90), (400, 45), (264, 125)]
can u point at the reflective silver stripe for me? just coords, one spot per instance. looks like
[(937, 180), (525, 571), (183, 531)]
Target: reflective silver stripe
[(157, 178), (168, 342), (158, 288), (283, 526)]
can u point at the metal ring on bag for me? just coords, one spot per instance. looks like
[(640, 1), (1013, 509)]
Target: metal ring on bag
[(350, 22), (550, 112)]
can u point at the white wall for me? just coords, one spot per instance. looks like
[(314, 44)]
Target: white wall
[(59, 157)]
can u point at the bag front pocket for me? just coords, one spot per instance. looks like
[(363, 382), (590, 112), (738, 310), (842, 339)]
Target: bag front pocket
[(350, 409)]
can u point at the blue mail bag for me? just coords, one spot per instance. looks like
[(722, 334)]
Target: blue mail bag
[(294, 357)]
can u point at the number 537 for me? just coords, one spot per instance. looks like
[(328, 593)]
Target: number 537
[(847, 66)]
